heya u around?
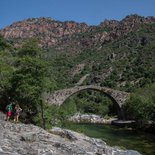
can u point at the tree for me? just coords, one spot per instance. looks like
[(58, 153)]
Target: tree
[(29, 79), (141, 106), (6, 71)]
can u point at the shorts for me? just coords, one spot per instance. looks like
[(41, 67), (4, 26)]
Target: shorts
[(9, 113)]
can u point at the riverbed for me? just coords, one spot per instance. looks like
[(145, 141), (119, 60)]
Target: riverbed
[(116, 136)]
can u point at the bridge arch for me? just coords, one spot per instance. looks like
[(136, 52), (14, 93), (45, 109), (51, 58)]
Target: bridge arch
[(117, 97), (117, 106)]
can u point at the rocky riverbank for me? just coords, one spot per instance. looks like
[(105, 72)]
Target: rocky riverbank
[(90, 118), (22, 139)]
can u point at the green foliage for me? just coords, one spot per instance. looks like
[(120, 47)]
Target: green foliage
[(50, 116), (3, 43), (141, 106), (6, 71), (89, 102), (28, 79), (6, 65), (30, 48)]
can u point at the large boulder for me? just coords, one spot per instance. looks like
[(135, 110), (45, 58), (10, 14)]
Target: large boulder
[(22, 139)]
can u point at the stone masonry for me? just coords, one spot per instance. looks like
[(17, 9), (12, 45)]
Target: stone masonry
[(59, 97)]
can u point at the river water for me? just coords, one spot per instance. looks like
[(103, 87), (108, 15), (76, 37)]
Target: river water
[(116, 136)]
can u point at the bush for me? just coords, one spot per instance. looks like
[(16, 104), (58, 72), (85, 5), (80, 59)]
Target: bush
[(141, 106)]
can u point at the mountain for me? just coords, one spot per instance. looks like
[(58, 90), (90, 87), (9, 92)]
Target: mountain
[(117, 54), (51, 32)]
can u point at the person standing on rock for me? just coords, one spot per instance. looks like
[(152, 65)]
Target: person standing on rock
[(17, 113), (9, 111)]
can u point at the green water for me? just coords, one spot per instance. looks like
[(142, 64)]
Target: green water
[(115, 136)]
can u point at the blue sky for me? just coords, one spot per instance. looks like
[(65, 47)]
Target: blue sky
[(91, 12)]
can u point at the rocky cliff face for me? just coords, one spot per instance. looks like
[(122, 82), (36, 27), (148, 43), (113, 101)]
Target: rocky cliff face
[(48, 31), (21, 139), (51, 32)]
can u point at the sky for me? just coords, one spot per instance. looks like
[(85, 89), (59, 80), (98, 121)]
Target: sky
[(92, 12)]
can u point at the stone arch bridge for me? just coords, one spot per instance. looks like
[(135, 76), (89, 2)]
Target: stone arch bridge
[(59, 97)]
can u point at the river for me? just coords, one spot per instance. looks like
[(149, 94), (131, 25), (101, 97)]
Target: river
[(115, 136)]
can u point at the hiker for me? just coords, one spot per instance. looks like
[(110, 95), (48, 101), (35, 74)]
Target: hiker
[(17, 112), (9, 111)]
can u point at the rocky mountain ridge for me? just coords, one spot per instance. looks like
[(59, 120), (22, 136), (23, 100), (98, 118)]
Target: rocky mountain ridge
[(48, 31), (51, 32)]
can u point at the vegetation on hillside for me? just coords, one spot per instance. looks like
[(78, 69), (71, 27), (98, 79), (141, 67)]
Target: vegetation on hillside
[(141, 106), (124, 63)]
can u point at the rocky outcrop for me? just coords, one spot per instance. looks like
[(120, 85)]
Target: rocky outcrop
[(2, 116), (49, 32), (21, 139), (90, 118)]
